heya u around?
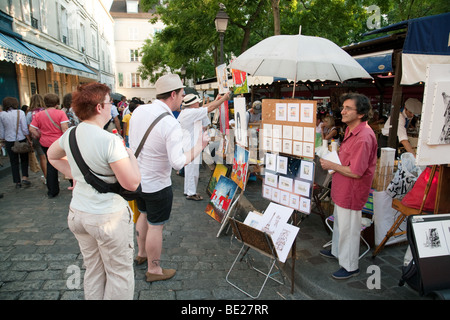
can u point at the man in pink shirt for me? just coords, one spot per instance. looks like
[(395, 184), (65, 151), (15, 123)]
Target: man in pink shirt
[(49, 125), (351, 183)]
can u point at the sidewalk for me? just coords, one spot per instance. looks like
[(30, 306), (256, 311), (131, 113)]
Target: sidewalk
[(38, 253)]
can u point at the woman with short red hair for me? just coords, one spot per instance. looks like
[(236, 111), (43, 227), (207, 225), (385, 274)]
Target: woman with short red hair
[(101, 222)]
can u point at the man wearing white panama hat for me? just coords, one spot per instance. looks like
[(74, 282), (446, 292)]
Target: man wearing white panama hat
[(193, 118), (162, 151)]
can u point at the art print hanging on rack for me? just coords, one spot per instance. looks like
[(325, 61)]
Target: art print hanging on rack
[(288, 181)]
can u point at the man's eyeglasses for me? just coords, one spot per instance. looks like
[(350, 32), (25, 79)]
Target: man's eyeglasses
[(346, 109)]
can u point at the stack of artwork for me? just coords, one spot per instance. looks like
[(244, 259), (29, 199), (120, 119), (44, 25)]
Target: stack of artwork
[(288, 181), (224, 190), (274, 222)]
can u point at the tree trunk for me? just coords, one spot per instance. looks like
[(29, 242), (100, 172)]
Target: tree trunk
[(276, 17)]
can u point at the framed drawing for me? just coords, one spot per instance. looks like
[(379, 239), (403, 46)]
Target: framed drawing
[(433, 154), (289, 182), (440, 130)]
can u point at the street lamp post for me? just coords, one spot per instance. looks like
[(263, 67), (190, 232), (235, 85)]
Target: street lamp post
[(221, 26)]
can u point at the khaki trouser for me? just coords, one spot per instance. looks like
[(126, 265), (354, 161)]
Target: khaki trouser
[(106, 242), (346, 237)]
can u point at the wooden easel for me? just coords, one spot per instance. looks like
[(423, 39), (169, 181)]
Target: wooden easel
[(442, 204)]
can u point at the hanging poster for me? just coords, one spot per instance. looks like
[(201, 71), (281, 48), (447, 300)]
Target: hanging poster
[(222, 78), (240, 115), (240, 82), (221, 198), (240, 167)]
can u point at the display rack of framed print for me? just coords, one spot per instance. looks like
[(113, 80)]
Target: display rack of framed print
[(288, 126), (288, 181), (288, 135)]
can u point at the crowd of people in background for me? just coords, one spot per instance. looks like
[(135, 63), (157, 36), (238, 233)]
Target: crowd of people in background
[(45, 124)]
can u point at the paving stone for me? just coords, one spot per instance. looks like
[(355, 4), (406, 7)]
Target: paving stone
[(37, 248)]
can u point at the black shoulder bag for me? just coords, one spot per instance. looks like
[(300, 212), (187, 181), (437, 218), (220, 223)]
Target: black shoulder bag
[(97, 183)]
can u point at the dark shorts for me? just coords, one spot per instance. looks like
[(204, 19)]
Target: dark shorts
[(156, 205)]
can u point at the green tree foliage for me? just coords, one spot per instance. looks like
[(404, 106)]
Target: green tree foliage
[(191, 41)]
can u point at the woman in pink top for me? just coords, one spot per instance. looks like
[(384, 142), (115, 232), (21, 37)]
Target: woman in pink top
[(49, 125)]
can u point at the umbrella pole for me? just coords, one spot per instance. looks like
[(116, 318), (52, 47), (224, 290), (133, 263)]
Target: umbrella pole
[(293, 90), (295, 81)]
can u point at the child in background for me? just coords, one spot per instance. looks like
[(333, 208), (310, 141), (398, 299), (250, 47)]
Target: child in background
[(126, 120)]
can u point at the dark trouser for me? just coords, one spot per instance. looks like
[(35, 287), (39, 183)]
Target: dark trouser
[(52, 177), (14, 160)]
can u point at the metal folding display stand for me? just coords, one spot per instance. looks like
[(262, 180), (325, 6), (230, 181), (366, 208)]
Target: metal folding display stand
[(259, 241)]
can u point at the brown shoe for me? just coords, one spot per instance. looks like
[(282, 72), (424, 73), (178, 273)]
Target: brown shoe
[(195, 197), (140, 260), (167, 274)]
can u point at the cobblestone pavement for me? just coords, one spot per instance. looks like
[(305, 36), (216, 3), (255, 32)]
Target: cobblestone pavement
[(39, 256)]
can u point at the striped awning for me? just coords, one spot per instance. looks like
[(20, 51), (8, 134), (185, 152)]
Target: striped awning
[(12, 50), (61, 64)]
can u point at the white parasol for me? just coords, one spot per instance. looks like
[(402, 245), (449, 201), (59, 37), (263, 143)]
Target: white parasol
[(299, 58)]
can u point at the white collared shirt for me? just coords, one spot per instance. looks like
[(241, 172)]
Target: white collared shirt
[(163, 149), (401, 130)]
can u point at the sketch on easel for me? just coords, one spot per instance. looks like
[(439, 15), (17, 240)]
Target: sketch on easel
[(445, 133), (440, 130)]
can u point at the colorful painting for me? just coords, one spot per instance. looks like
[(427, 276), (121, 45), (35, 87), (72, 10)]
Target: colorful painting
[(240, 166), (224, 118), (239, 81), (220, 170), (221, 198)]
